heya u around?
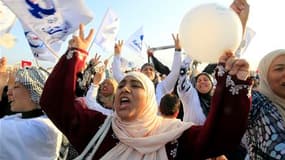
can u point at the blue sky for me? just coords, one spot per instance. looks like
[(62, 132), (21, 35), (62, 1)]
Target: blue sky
[(160, 18)]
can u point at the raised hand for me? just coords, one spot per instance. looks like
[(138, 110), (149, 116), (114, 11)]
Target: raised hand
[(80, 41), (98, 76), (96, 59), (4, 75), (241, 7), (106, 62), (118, 47), (176, 42), (149, 52), (235, 66), (3, 64)]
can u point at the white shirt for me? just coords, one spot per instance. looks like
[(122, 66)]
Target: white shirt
[(163, 87), (92, 103), (28, 139)]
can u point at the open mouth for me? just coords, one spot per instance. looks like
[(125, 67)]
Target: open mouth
[(124, 100)]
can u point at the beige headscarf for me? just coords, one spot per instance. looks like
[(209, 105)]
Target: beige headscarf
[(145, 138), (264, 87)]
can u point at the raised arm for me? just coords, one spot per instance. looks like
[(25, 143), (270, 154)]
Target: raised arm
[(167, 85), (91, 96), (58, 97), (159, 67), (227, 119), (4, 76), (189, 97), (116, 65), (241, 7)]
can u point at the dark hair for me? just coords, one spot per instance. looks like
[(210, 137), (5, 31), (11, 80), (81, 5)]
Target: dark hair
[(147, 64), (210, 77), (169, 105), (155, 80)]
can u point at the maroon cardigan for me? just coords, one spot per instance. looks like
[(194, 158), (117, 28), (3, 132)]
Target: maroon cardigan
[(222, 131)]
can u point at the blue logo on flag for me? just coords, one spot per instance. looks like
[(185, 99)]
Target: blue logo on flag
[(37, 11), (138, 43)]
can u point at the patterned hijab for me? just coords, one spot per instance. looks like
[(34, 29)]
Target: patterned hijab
[(33, 79), (264, 87), (145, 138)]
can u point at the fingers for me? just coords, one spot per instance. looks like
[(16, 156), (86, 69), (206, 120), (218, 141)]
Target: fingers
[(176, 41), (97, 56), (238, 67), (175, 38), (239, 5), (225, 56), (230, 62), (120, 42), (82, 36), (241, 69), (90, 35), (106, 62), (81, 31)]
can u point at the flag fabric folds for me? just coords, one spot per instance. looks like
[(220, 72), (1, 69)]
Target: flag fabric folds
[(51, 21), (136, 41), (7, 20), (108, 30), (38, 48), (249, 35)]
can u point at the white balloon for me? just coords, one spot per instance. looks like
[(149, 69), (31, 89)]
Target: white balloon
[(209, 30)]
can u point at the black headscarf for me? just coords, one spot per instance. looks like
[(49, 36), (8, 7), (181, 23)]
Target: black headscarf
[(205, 98)]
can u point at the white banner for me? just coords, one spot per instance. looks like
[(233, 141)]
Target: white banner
[(108, 30), (50, 20)]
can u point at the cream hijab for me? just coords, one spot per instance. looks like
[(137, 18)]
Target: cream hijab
[(144, 138), (264, 87)]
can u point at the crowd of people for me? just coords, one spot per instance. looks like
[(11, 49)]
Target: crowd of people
[(82, 111)]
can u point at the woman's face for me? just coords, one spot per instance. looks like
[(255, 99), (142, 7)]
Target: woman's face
[(107, 87), (149, 72), (203, 84), (20, 99), (130, 99), (276, 76)]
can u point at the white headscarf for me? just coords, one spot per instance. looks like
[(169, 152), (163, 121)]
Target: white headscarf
[(264, 87), (145, 138)]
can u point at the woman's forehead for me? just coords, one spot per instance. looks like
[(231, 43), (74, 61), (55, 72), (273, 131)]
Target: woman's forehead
[(107, 81), (130, 78), (279, 59), (202, 76)]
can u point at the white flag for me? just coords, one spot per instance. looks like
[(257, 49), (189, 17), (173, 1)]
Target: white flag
[(51, 21), (108, 30), (136, 42), (39, 49), (249, 35), (7, 20)]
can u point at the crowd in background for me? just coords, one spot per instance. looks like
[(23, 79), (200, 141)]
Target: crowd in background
[(83, 110)]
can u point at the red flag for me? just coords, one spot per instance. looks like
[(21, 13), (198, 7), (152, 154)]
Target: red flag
[(26, 63)]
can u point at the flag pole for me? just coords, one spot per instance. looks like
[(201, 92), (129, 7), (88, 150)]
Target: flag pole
[(162, 47), (91, 45)]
